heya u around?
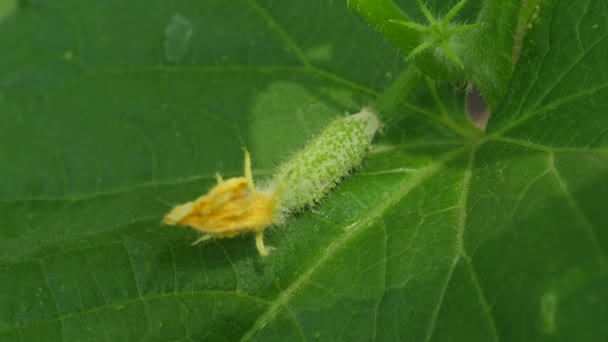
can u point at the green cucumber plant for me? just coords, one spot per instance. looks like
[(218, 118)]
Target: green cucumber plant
[(112, 112), (445, 49)]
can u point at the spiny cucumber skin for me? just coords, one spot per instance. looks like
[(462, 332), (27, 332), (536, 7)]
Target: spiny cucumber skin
[(309, 174)]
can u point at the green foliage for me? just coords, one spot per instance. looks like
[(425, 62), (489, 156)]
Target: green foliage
[(439, 35), (109, 116), (481, 52)]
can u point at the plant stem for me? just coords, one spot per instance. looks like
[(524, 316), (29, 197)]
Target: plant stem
[(382, 14), (491, 48), (399, 90)]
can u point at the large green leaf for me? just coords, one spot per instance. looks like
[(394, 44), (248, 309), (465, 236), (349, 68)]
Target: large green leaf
[(111, 112)]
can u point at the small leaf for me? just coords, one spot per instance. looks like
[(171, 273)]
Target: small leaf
[(427, 14), (412, 25)]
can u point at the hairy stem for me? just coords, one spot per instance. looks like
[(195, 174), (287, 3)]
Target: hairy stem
[(382, 14)]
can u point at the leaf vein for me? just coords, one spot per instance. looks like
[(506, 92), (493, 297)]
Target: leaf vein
[(53, 297), (484, 302), (283, 298), (588, 225), (560, 78), (460, 250), (273, 24)]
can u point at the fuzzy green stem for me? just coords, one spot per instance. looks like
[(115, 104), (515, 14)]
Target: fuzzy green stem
[(481, 52), (491, 48), (427, 13), (381, 14), (453, 11)]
